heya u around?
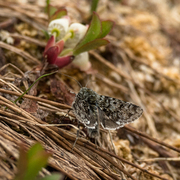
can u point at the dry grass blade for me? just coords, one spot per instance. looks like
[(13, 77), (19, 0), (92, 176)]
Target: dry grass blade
[(20, 52), (151, 138), (37, 99), (28, 39)]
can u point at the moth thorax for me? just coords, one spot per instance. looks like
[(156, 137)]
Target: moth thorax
[(92, 99)]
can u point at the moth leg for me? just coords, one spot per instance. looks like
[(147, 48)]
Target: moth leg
[(95, 133), (96, 143), (77, 130), (66, 114), (77, 136), (97, 139)]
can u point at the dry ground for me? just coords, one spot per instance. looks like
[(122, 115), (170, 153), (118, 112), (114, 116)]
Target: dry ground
[(140, 65)]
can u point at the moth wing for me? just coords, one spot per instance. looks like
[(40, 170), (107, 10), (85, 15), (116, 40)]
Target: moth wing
[(85, 113), (116, 113)]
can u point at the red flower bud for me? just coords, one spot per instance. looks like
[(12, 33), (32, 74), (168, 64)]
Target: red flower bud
[(51, 54), (50, 43), (63, 61), (52, 50)]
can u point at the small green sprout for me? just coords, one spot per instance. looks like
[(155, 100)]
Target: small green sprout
[(32, 161)]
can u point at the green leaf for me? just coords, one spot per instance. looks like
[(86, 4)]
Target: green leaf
[(54, 176), (31, 162), (93, 31), (52, 10), (47, 2), (94, 5), (91, 45), (47, 5), (34, 150), (49, 9), (58, 14), (37, 158), (106, 28)]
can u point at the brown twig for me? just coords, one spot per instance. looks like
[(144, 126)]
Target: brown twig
[(100, 150), (36, 99), (8, 23), (150, 138)]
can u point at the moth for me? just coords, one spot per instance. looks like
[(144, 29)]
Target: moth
[(93, 109)]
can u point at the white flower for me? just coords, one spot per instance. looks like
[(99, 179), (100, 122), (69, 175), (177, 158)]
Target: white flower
[(77, 31), (82, 61), (59, 27)]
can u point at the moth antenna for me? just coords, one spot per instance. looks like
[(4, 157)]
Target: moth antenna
[(72, 78), (89, 82)]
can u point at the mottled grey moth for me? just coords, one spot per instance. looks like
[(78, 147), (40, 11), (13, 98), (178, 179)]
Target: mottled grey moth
[(93, 109)]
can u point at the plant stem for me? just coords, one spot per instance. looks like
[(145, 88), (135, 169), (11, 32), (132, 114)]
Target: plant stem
[(33, 85)]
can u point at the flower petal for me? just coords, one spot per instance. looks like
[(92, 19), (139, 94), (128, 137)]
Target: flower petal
[(82, 61), (59, 27), (60, 45), (78, 31)]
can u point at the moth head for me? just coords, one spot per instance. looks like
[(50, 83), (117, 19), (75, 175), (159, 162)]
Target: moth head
[(88, 95)]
